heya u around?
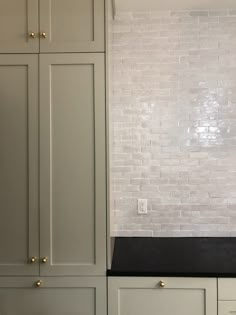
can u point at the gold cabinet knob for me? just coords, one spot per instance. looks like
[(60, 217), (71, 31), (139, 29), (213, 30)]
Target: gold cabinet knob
[(33, 260), (162, 284), (32, 35), (38, 284), (44, 260), (44, 35)]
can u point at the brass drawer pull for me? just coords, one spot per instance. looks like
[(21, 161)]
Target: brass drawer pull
[(38, 284), (32, 35), (162, 284), (33, 260), (44, 35), (44, 260)]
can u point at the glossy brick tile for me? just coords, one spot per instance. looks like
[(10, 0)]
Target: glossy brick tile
[(173, 121)]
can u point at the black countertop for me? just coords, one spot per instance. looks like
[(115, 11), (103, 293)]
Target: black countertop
[(174, 257)]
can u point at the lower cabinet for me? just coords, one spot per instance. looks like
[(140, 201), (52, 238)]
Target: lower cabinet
[(53, 296), (168, 296), (227, 296), (227, 307)]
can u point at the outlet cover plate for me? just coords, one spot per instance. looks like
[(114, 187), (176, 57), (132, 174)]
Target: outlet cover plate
[(142, 206)]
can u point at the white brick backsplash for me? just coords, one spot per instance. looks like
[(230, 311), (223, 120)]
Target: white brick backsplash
[(173, 123)]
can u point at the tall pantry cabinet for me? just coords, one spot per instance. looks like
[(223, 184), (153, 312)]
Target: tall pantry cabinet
[(52, 159)]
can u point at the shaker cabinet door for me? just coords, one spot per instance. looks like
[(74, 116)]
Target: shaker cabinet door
[(72, 25), (168, 296), (19, 26), (20, 296), (72, 164), (19, 164)]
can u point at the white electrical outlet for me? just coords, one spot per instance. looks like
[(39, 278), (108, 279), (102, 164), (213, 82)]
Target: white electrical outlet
[(142, 206)]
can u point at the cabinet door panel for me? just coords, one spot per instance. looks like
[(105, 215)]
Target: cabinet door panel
[(138, 296), (72, 25), (227, 307), (18, 164), (17, 19), (56, 296), (73, 198)]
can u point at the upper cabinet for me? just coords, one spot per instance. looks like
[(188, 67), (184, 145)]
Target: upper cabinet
[(19, 26), (71, 25), (59, 26)]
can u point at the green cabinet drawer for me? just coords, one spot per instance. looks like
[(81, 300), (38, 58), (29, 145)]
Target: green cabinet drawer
[(168, 296), (227, 289), (55, 296), (227, 308)]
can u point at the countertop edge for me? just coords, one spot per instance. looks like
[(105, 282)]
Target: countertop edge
[(111, 273)]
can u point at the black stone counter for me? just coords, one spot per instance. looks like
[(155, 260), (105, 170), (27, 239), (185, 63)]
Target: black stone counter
[(174, 257)]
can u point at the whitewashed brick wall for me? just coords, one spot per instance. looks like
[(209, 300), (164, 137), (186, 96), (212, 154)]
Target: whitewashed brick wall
[(173, 118)]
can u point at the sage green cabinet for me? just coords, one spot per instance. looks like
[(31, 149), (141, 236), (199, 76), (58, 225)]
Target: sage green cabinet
[(19, 210), (72, 26), (71, 209), (168, 296), (32, 26), (227, 289), (226, 307), (55, 296), (72, 164), (227, 296), (18, 19)]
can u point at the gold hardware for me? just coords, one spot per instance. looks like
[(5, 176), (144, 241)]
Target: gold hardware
[(44, 260), (162, 284), (33, 260), (32, 35), (44, 35), (38, 283)]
